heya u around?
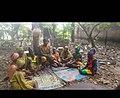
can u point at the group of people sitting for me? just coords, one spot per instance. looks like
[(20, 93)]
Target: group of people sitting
[(23, 66)]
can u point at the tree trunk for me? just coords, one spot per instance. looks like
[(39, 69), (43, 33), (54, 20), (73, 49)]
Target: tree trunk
[(92, 42), (35, 45), (36, 35), (16, 30), (78, 32), (72, 33), (90, 38), (54, 27)]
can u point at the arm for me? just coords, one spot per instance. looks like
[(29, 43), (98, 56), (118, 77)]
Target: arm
[(58, 57), (62, 57), (69, 56), (41, 52), (72, 60)]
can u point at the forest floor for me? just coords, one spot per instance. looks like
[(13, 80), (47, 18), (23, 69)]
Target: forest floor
[(107, 76)]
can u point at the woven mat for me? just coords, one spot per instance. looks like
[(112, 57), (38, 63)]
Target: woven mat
[(47, 81)]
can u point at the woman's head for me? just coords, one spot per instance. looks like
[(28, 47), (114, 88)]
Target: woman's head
[(66, 48), (45, 41), (54, 49), (77, 49), (91, 53), (14, 56), (20, 51), (43, 59)]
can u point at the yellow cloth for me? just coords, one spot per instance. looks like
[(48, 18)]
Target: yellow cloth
[(79, 63), (21, 61), (33, 61), (66, 54), (19, 49), (88, 71), (44, 59), (18, 82), (44, 49)]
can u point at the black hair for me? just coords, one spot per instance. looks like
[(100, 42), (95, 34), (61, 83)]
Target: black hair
[(30, 52), (45, 40)]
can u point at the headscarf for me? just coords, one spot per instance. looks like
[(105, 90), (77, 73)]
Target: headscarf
[(44, 59), (92, 52), (19, 49), (77, 48), (15, 56)]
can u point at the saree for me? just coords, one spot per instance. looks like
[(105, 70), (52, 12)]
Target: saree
[(18, 82), (22, 61)]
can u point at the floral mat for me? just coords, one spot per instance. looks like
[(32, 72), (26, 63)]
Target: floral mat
[(69, 75), (59, 68)]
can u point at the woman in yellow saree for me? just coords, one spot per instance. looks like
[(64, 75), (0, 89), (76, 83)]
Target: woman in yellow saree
[(19, 78), (23, 61), (19, 82)]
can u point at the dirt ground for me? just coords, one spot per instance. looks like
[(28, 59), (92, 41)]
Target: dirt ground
[(107, 76)]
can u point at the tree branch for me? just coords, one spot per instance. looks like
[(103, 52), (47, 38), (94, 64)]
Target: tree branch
[(83, 29), (97, 34), (94, 28)]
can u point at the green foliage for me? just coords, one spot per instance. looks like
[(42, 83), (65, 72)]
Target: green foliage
[(62, 30), (103, 26), (5, 30), (65, 31), (118, 24), (15, 31), (43, 25), (24, 33)]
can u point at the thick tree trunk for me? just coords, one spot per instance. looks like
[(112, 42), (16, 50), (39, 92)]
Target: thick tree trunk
[(54, 35), (36, 35), (35, 45), (72, 33), (92, 41), (47, 35)]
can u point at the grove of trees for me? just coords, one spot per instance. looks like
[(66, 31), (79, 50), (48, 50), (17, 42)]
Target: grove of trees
[(18, 31)]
